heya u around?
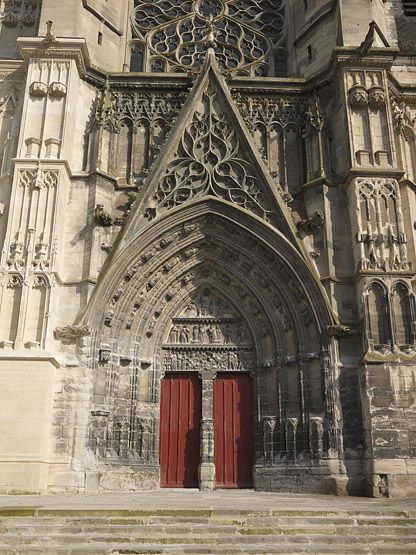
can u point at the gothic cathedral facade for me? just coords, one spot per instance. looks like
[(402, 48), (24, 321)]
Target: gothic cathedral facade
[(208, 245)]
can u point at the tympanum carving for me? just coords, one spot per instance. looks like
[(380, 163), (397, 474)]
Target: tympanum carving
[(208, 335)]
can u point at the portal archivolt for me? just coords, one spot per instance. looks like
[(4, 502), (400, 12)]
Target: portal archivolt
[(207, 295)]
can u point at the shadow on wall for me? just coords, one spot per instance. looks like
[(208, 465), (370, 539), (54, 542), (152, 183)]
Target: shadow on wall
[(353, 431), (406, 28)]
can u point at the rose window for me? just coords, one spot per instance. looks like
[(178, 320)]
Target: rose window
[(247, 35)]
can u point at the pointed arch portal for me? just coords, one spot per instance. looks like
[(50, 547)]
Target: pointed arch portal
[(205, 296), (211, 361)]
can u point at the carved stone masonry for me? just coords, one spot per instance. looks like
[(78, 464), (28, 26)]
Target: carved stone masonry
[(209, 161), (381, 235), (176, 34), (39, 178), (269, 425), (358, 96), (208, 335), (313, 223), (72, 332), (101, 217), (207, 440), (20, 12), (339, 331), (115, 108), (403, 119)]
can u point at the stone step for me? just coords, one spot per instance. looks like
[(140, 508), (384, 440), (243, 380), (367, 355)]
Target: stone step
[(214, 520), (198, 513), (165, 539), (197, 549), (205, 529), (201, 531)]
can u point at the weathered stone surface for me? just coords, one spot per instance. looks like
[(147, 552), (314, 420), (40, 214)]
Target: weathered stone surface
[(219, 522), (169, 204)]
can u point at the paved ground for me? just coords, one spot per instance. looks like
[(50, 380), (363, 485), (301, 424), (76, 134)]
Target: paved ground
[(194, 499)]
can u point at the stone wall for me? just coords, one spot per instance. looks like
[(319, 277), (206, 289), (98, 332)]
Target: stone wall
[(125, 196)]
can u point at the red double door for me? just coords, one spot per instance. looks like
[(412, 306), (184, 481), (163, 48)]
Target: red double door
[(180, 417)]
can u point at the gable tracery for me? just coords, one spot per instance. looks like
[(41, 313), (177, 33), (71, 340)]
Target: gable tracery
[(209, 161), (135, 125), (278, 126)]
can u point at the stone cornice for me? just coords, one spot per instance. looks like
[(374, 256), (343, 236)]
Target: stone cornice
[(148, 81), (377, 57), (371, 172), (76, 49), (37, 355), (403, 93), (382, 58), (63, 48), (10, 67)]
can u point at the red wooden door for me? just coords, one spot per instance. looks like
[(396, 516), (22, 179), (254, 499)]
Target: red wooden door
[(180, 417), (233, 429)]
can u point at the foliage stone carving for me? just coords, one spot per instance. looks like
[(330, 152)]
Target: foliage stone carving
[(116, 108), (20, 12)]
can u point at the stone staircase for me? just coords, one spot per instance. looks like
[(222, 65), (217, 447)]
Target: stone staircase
[(200, 531)]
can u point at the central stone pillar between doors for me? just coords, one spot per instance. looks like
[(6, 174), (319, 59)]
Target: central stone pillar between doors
[(207, 466)]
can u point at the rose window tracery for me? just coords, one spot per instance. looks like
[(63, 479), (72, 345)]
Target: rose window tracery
[(175, 34)]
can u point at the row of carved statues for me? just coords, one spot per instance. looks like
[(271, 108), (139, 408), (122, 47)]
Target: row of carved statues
[(208, 360), (224, 334), (286, 441)]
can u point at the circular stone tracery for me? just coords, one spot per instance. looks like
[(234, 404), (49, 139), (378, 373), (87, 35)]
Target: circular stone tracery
[(243, 33), (207, 8)]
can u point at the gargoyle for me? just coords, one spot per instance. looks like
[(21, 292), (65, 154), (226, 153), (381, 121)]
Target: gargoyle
[(339, 331), (101, 217), (313, 223)]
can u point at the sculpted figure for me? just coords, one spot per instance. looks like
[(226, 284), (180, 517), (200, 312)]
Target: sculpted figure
[(174, 335), (184, 335), (218, 334), (227, 334), (205, 305), (191, 309), (201, 335), (232, 361), (239, 336), (211, 333)]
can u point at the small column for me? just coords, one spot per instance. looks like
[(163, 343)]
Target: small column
[(207, 466), (269, 425), (291, 444)]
